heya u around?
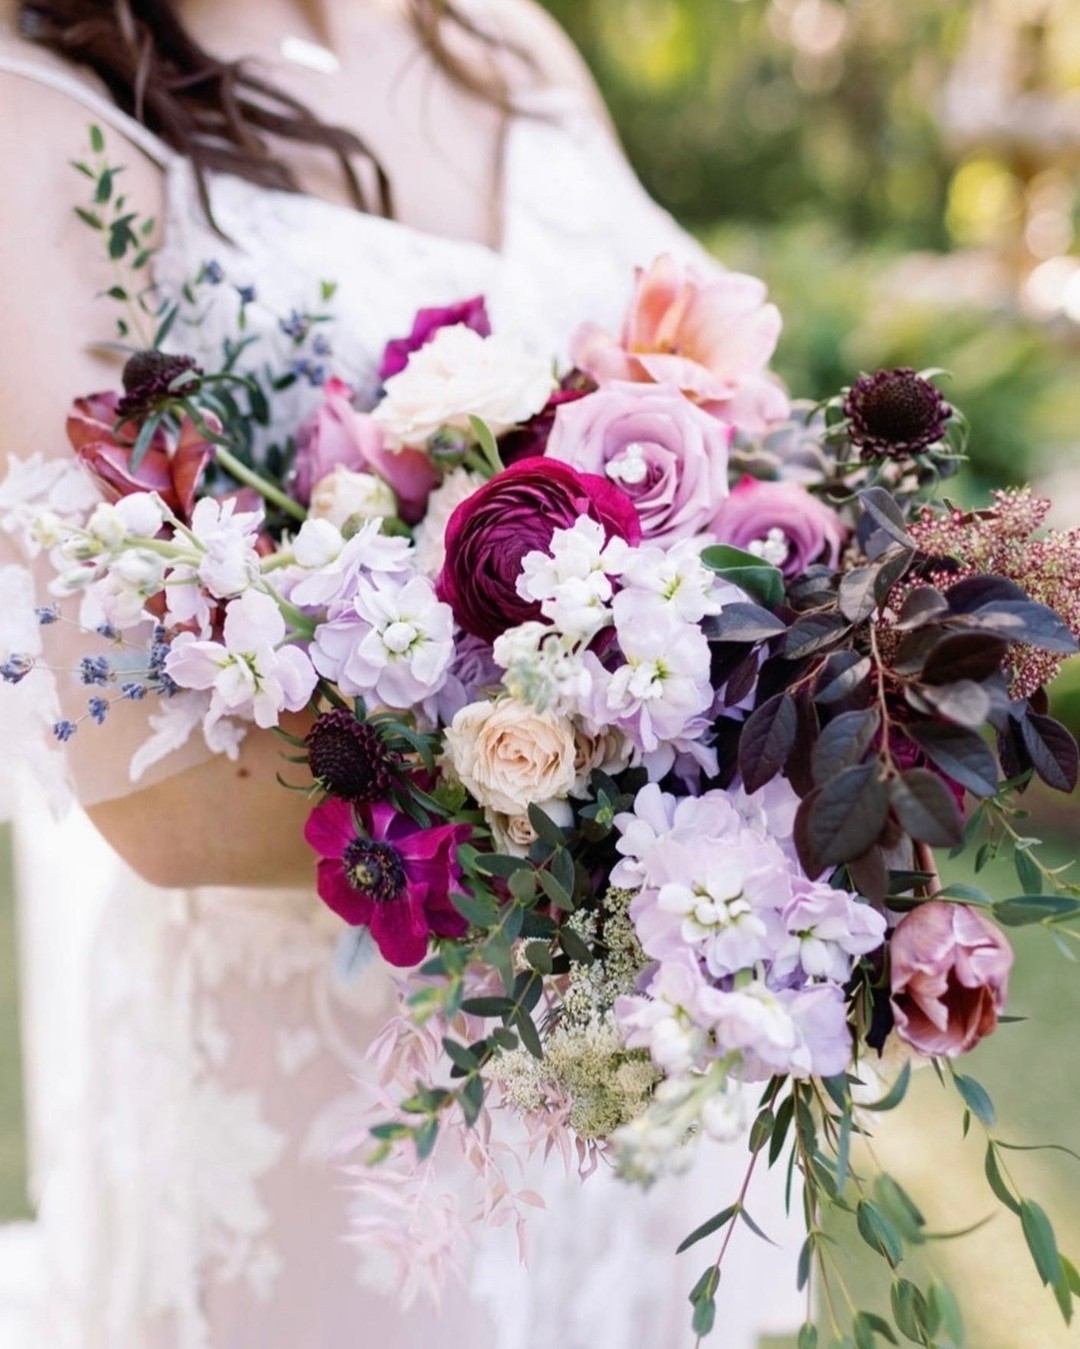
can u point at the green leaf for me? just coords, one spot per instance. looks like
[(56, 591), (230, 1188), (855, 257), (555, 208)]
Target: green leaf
[(495, 864), (714, 1224), (874, 1325), (538, 954), (1041, 1241), (425, 1137), (910, 1310), (896, 1092), (486, 440), (808, 1336), (487, 1006), (97, 139), (945, 1313), (704, 1317), (968, 894), (472, 1099), (976, 1099), (900, 1208), (997, 1180), (479, 910), (460, 1056), (1023, 910), (761, 581), (762, 1129), (878, 1232), (574, 946), (530, 1036), (555, 892), (757, 1231), (1031, 878), (89, 218)]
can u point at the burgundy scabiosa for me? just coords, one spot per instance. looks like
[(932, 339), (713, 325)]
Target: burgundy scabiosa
[(348, 758), (895, 412), (379, 869), (153, 377)]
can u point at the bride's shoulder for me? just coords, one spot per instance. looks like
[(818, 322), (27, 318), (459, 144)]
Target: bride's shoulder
[(535, 50)]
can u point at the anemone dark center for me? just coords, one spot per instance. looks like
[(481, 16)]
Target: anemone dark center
[(374, 868)]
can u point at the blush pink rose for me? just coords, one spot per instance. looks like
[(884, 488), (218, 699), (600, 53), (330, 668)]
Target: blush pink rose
[(471, 313), (516, 513), (711, 339), (950, 977), (668, 456), (336, 434), (171, 466), (792, 527)]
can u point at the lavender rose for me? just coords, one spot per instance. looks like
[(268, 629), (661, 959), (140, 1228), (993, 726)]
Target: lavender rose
[(781, 522), (950, 977), (668, 456), (470, 313), (516, 513)]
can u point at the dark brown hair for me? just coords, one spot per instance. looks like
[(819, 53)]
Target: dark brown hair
[(218, 113)]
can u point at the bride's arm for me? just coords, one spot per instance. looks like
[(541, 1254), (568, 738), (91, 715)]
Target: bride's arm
[(214, 821)]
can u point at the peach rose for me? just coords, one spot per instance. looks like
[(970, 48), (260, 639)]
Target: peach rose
[(510, 756), (514, 835), (711, 339), (950, 977)]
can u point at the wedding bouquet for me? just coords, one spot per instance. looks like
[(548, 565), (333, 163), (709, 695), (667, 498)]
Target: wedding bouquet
[(632, 702)]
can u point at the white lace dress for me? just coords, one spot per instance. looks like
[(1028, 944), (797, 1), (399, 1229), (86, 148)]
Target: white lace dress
[(192, 1056)]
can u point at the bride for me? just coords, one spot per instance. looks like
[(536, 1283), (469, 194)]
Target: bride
[(194, 1039)]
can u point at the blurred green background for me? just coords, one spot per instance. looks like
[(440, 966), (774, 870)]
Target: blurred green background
[(905, 174)]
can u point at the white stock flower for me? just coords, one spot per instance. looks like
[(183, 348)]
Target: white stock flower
[(229, 562), (56, 492), (337, 566), (572, 580), (430, 534), (251, 674), (675, 579), (345, 495), (510, 756), (132, 578), (111, 523), (393, 641), (459, 374)]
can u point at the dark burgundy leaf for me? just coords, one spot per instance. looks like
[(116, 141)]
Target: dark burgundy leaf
[(798, 766), (766, 741), (813, 633), (742, 679), (843, 673), (844, 742), (726, 735), (1015, 760), (800, 833), (725, 660), (914, 649), (926, 808), (1024, 621), (960, 754), (974, 591), (1053, 751), (964, 655), (856, 593), (965, 702), (845, 817), (744, 623), (886, 515), (891, 570), (870, 875), (921, 606)]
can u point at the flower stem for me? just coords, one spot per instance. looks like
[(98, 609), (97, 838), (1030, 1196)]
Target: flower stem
[(250, 478)]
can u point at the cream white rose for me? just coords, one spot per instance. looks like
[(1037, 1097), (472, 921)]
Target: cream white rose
[(515, 835), (459, 374), (345, 495), (608, 750), (509, 756)]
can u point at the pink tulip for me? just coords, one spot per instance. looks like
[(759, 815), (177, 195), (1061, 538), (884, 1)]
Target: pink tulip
[(171, 470), (337, 434), (711, 339), (950, 977)]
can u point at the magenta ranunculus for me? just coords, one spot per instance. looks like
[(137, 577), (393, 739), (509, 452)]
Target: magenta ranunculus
[(171, 466), (336, 434), (516, 513), (950, 977), (379, 869), (669, 457), (783, 522), (471, 313)]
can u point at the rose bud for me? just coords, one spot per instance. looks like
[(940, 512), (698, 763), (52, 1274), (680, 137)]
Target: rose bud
[(949, 976), (516, 513)]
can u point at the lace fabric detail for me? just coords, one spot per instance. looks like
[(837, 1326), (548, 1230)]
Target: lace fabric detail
[(190, 1195)]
